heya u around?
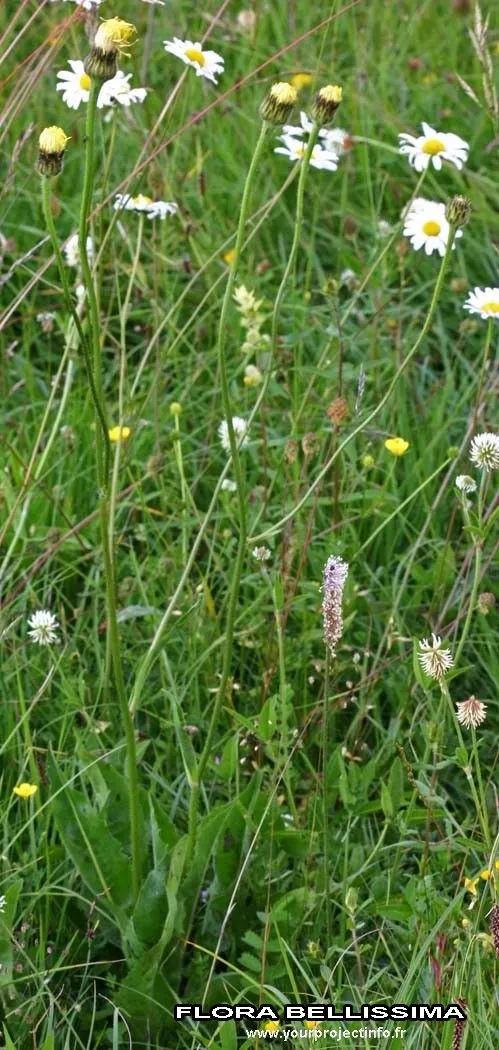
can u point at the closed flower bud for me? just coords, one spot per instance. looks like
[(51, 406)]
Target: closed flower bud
[(486, 602), (458, 211), (175, 408), (51, 146), (326, 103), (278, 104), (291, 450), (112, 39)]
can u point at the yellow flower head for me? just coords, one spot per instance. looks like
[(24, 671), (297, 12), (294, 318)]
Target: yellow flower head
[(396, 446), (25, 790), (326, 103), (301, 80), (53, 140), (470, 886), (272, 1026), (486, 874), (119, 433), (278, 103), (176, 408), (229, 257), (115, 35), (496, 865), (312, 1024)]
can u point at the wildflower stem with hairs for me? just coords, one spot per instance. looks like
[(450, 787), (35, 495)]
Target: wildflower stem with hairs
[(241, 494), (103, 480), (477, 568), (480, 806), (372, 415)]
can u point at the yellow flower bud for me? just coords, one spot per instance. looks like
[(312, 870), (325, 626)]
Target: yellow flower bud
[(112, 38), (51, 146), (25, 790), (119, 433), (326, 103), (278, 103), (301, 80)]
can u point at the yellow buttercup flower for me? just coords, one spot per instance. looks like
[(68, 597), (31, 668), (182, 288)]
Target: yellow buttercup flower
[(119, 433), (272, 1026), (301, 80), (312, 1024), (25, 790), (396, 446), (470, 886), (229, 257), (486, 874)]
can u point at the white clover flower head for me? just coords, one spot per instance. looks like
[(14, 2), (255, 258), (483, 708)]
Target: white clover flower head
[(434, 658), (294, 150), (72, 250), (228, 485), (75, 84), (433, 147), (43, 628), (484, 451), (239, 427), (118, 89), (471, 712), (484, 302), (207, 64), (334, 579), (141, 203), (261, 553), (426, 226), (465, 483), (383, 228)]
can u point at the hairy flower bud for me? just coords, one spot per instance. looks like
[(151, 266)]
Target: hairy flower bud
[(51, 146), (326, 103), (278, 103), (458, 211), (112, 38)]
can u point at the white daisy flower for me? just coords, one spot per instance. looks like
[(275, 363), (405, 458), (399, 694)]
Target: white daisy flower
[(43, 626), (433, 146), (206, 63), (75, 84), (72, 250), (434, 659), (298, 132), (239, 427), (228, 485), (484, 451), (426, 226), (294, 149), (336, 140), (465, 483), (118, 89), (141, 203), (483, 301), (88, 5)]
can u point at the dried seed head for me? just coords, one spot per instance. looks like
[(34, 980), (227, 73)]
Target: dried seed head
[(337, 411), (494, 927), (291, 450), (335, 575), (486, 602), (310, 444), (278, 103)]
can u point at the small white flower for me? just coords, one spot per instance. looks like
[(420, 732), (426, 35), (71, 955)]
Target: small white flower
[(337, 140), (465, 483), (75, 84), (426, 226), (2, 905), (433, 146), (434, 659), (294, 149), (239, 426), (88, 5), (383, 229), (349, 278), (118, 89), (252, 376), (261, 553), (471, 712), (297, 132), (141, 203), (43, 626), (206, 63), (72, 250), (484, 302), (228, 485), (484, 451)]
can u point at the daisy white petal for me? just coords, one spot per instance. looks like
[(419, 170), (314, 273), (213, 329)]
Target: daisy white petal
[(75, 84), (432, 147), (484, 302), (141, 203), (118, 89), (426, 226), (207, 64)]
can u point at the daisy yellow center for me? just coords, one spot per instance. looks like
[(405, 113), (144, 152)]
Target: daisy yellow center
[(490, 308), (195, 55), (299, 151), (431, 228), (433, 146), (141, 200), (85, 82)]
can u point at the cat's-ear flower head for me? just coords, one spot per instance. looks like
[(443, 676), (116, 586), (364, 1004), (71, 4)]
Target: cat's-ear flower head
[(112, 39), (51, 146)]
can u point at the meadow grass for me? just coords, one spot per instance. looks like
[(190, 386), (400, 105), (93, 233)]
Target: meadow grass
[(247, 818)]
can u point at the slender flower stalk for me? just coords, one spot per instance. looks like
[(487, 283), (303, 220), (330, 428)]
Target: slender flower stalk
[(386, 397), (103, 479), (477, 569)]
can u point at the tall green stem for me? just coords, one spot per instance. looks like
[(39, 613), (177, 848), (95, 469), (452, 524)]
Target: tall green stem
[(372, 415), (477, 571), (103, 460)]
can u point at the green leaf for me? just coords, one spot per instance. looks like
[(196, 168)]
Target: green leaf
[(9, 1045), (96, 853), (151, 909), (396, 784), (386, 802), (6, 923), (228, 1035)]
